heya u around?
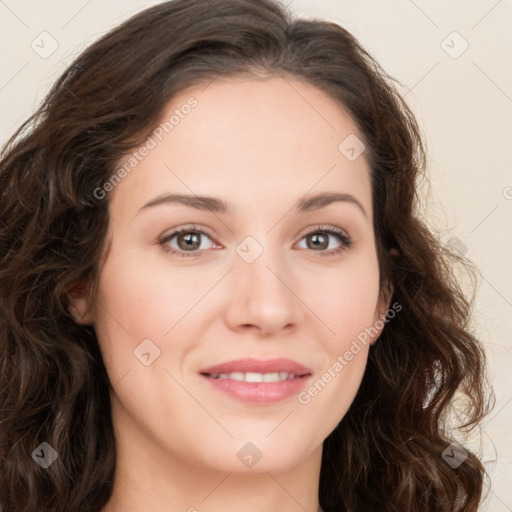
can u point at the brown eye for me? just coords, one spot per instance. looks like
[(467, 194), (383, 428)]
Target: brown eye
[(185, 241), (189, 241), (318, 241)]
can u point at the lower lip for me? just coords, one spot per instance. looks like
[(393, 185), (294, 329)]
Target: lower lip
[(263, 392)]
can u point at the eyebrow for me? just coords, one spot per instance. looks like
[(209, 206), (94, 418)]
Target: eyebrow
[(213, 204)]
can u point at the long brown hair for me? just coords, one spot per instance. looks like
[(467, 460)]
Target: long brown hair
[(387, 452)]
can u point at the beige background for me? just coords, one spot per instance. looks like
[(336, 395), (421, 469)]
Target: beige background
[(462, 97)]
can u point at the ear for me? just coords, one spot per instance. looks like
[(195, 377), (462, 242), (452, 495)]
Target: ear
[(77, 293), (381, 310)]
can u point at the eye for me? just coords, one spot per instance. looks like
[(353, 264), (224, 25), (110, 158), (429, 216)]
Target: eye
[(188, 240), (189, 243), (318, 239)]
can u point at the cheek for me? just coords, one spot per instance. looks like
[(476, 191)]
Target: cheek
[(147, 299), (142, 299), (347, 309), (346, 303)]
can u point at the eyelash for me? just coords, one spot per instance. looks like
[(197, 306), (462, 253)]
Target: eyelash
[(345, 240)]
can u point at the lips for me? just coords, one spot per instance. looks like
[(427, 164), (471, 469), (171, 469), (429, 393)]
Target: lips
[(256, 380)]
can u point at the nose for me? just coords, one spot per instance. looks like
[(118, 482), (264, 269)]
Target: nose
[(262, 296)]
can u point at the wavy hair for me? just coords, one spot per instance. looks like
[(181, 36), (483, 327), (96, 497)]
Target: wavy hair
[(386, 454)]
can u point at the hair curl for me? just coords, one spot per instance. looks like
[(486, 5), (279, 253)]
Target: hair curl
[(385, 454)]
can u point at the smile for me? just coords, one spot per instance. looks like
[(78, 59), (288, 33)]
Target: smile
[(254, 376), (259, 381)]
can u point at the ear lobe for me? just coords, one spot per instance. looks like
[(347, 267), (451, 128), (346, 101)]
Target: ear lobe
[(77, 293)]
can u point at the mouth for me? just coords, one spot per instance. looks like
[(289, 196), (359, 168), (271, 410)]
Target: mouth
[(255, 376), (253, 380)]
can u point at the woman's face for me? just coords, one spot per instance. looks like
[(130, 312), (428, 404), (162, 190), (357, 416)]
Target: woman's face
[(256, 282)]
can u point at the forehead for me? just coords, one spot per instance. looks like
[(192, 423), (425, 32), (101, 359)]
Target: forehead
[(265, 112), (278, 136)]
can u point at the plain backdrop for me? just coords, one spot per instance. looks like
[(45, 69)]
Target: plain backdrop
[(453, 60)]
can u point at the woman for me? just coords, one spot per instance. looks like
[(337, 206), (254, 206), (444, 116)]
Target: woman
[(215, 291)]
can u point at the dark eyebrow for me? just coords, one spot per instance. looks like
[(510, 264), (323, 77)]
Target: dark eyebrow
[(212, 204), (317, 201), (199, 202)]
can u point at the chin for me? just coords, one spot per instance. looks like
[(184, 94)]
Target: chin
[(257, 454)]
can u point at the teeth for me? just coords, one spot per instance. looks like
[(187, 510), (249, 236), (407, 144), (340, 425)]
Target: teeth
[(255, 377)]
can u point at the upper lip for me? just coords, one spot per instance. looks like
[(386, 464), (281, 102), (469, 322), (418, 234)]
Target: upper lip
[(258, 366)]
